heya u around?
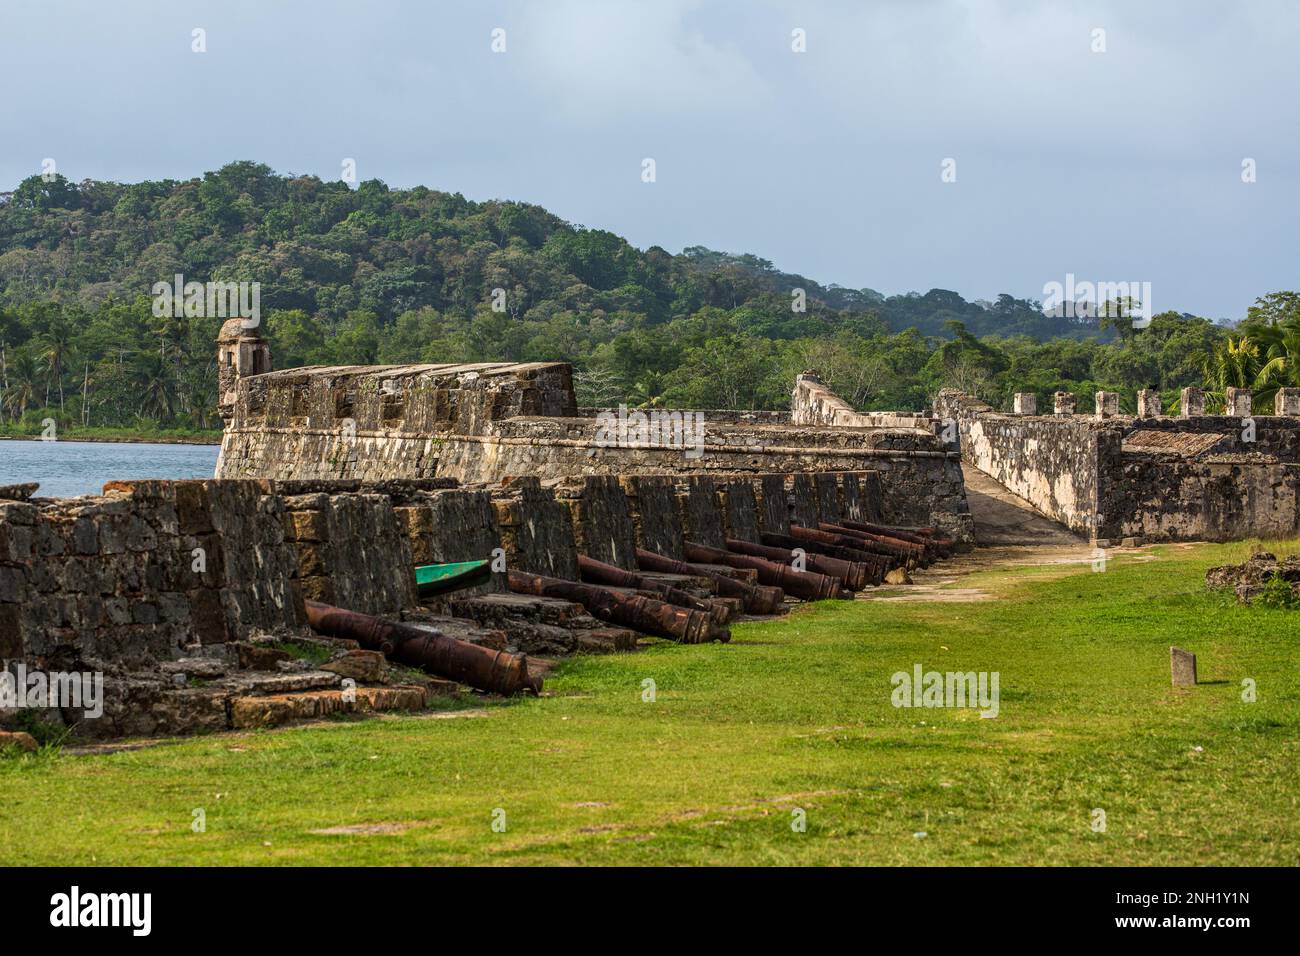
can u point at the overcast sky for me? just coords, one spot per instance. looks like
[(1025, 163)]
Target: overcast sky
[(1116, 165)]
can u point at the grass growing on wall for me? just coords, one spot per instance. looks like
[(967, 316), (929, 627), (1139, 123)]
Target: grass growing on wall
[(153, 434), (794, 714)]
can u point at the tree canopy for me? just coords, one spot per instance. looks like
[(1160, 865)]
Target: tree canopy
[(372, 274)]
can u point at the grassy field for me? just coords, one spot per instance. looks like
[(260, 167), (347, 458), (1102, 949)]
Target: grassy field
[(794, 715)]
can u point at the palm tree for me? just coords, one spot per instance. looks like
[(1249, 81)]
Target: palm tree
[(155, 386), (1233, 364), (1280, 344), (55, 346), (22, 384), (647, 391)]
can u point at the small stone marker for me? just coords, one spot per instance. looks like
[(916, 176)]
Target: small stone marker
[(1149, 403), (1182, 666), (1025, 403), (1064, 403)]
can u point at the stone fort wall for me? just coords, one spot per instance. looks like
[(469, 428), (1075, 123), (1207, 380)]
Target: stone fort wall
[(492, 422), (1157, 478), (156, 571)]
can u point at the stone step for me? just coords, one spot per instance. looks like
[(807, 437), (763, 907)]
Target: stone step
[(606, 640), (462, 629), (247, 683), (247, 713), (489, 609)]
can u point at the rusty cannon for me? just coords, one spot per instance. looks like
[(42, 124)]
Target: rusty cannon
[(877, 565), (756, 598), (925, 537), (598, 572), (499, 672), (913, 552), (640, 613), (819, 543), (818, 536), (806, 585), (854, 575)]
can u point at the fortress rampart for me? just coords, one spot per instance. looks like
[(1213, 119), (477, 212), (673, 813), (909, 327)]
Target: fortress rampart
[(1156, 478), (487, 423), (153, 577)]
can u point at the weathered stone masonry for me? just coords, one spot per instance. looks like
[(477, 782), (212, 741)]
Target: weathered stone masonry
[(487, 423), (1193, 477), (334, 483), (158, 572)]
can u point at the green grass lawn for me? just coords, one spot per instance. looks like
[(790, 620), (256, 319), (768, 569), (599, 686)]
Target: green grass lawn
[(794, 714)]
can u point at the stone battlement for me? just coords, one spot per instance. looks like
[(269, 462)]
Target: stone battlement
[(492, 422)]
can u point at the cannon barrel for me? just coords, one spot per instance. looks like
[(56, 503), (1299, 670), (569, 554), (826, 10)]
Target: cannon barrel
[(913, 552), (878, 565), (598, 572), (636, 611), (925, 537), (497, 671), (807, 585), (855, 576), (818, 536), (757, 598)]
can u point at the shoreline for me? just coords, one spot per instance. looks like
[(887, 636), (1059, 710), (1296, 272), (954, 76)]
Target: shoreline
[(127, 440)]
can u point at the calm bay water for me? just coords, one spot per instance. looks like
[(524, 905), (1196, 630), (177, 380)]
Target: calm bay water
[(67, 468)]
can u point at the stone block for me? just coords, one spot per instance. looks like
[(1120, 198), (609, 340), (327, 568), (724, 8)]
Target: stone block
[(1238, 402), (317, 589), (829, 506), (739, 509), (1182, 667), (773, 505), (367, 557), (1064, 403), (702, 512), (1148, 403), (311, 560), (193, 516), (801, 495), (872, 493), (536, 531), (313, 526), (602, 525), (1192, 403), (1287, 401), (367, 666), (655, 513), (11, 634), (1107, 404), (259, 657), (1024, 403)]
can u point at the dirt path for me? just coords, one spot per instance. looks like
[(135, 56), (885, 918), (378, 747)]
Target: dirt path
[(1008, 533)]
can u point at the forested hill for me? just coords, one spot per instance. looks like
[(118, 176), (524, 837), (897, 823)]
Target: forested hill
[(328, 249), (371, 274)]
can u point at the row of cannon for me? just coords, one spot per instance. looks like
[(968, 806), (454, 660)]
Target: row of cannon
[(829, 562)]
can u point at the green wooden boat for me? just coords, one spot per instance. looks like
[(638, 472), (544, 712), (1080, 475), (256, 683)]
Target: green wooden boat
[(434, 579)]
